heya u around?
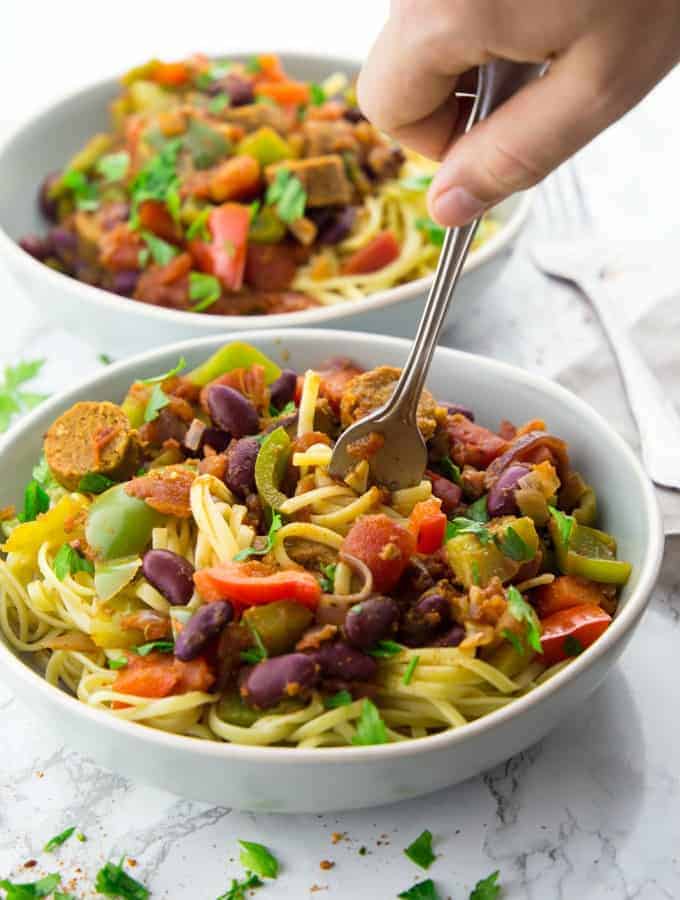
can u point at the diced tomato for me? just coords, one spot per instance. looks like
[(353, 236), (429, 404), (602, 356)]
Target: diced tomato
[(160, 675), (170, 74), (154, 216), (335, 378), (269, 68), (270, 267), (225, 255), (252, 584), (385, 547), (380, 252), (564, 592), (583, 624), (472, 444), (427, 522), (235, 179), (286, 93)]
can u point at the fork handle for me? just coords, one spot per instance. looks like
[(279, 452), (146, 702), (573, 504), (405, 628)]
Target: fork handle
[(653, 410)]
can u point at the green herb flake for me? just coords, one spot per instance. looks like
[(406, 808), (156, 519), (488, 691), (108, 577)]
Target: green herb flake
[(277, 524), (171, 373), (114, 166), (524, 612), (385, 649), (219, 103), (572, 646), (255, 654), (487, 888), (161, 251), (474, 571), (370, 727), (157, 180), (36, 501), (85, 193), (204, 289), (104, 359), (424, 890), (258, 859), (158, 400), (290, 197), (286, 410), (68, 562), (157, 646), (113, 881), (513, 546), (199, 227), (327, 579), (342, 698), (363, 851), (317, 94), (478, 510), (81, 837), (432, 231), (410, 670), (119, 663), (31, 889), (464, 525), (94, 483), (565, 524), (12, 399), (417, 183), (238, 889), (450, 470), (58, 840), (512, 638), (420, 851)]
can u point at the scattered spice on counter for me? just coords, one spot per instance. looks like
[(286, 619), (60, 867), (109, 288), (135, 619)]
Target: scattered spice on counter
[(326, 864)]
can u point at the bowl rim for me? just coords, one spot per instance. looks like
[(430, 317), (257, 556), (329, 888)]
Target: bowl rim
[(622, 624), (314, 317)]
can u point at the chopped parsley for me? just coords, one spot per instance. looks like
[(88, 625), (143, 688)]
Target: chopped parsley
[(434, 232), (277, 524), (524, 612), (171, 373), (370, 726), (158, 180), (36, 501), (328, 577), (157, 401), (290, 197), (424, 890), (68, 562), (478, 510), (104, 359), (286, 410), (572, 645), (385, 649), (31, 889), (85, 193), (218, 103), (204, 290), (420, 851), (94, 483), (513, 546), (463, 525), (342, 698), (565, 524), (114, 166), (119, 663), (199, 227), (238, 889), (255, 654), (317, 95), (158, 646), (410, 669), (113, 881), (512, 638), (487, 888), (58, 840), (450, 470), (13, 400), (161, 251), (416, 183), (256, 858)]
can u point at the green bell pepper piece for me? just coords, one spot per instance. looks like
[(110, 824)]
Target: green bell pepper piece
[(270, 467), (236, 355), (475, 561), (266, 227), (589, 553), (120, 525), (266, 146)]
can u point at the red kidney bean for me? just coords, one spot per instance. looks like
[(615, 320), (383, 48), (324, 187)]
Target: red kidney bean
[(371, 621), (205, 623), (239, 91), (217, 439), (64, 243), (47, 204), (231, 411), (282, 390), (341, 660), (37, 247), (353, 114), (240, 474), (421, 623), (278, 678), (338, 227), (449, 493), (501, 497), (171, 574), (125, 282), (455, 408), (451, 638)]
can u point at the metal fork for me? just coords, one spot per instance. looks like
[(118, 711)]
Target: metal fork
[(574, 254)]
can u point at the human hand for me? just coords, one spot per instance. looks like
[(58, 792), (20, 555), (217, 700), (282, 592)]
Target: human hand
[(605, 56)]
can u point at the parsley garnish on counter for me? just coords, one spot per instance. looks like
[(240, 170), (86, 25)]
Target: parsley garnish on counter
[(238, 889), (424, 890), (420, 851), (28, 891), (487, 888), (114, 881), (13, 400), (258, 859), (58, 839)]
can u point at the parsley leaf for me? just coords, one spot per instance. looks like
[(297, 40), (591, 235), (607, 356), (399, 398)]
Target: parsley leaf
[(68, 561), (159, 379), (218, 103), (572, 645), (114, 166), (478, 510), (85, 193), (317, 94), (434, 232), (290, 197), (238, 889), (160, 646), (36, 501), (420, 851), (157, 401), (486, 889), (13, 400), (199, 227), (119, 663), (113, 881), (257, 653), (277, 524), (328, 577), (416, 183), (94, 483), (513, 546), (410, 669), (450, 470), (258, 859), (565, 524), (524, 612), (31, 889), (58, 840), (204, 289), (370, 726), (286, 410), (424, 890), (157, 180), (512, 638), (161, 251), (385, 650), (59, 896), (342, 698), (463, 525)]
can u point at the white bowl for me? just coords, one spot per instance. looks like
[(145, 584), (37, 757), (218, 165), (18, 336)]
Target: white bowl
[(122, 326), (293, 780)]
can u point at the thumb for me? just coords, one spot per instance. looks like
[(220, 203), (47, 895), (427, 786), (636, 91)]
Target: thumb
[(523, 140)]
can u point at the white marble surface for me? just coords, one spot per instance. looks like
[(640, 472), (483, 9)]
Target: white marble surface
[(592, 811)]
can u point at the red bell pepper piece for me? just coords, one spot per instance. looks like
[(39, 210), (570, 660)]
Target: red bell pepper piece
[(252, 584), (564, 592), (565, 633), (225, 255), (382, 250), (428, 524)]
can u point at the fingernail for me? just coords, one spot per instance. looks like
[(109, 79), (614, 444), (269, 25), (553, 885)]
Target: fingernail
[(457, 206)]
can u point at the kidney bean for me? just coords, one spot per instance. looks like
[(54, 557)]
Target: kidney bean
[(338, 227), (239, 90), (231, 411), (37, 247), (341, 660), (47, 204), (171, 574), (240, 474), (64, 242), (455, 408), (217, 439), (501, 497), (370, 621), (205, 623), (353, 114), (448, 492), (125, 282), (429, 615), (282, 390), (278, 678), (451, 638)]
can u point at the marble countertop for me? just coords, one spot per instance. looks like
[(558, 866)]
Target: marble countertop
[(593, 811)]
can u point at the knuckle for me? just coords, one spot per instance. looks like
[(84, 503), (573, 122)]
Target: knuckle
[(506, 169)]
